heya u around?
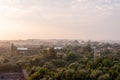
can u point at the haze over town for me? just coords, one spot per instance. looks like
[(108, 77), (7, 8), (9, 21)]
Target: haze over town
[(60, 19), (59, 40)]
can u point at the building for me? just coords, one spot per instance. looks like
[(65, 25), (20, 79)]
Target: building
[(58, 48), (96, 52), (22, 50)]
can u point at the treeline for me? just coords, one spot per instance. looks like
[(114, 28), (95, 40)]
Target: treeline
[(73, 66)]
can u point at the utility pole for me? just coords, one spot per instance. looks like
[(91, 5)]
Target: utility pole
[(95, 52)]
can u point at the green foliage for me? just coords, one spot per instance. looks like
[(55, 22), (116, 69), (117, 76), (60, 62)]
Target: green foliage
[(49, 65), (50, 53), (104, 77), (87, 48), (74, 66), (39, 74), (71, 57), (95, 74), (82, 74), (59, 62), (69, 74)]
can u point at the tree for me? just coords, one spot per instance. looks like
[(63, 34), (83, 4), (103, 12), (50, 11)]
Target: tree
[(49, 66), (69, 74), (51, 53), (82, 75), (95, 74), (71, 57), (13, 49), (88, 48), (74, 66), (104, 77), (41, 72)]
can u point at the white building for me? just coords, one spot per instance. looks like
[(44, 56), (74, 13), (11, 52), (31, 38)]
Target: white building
[(22, 50)]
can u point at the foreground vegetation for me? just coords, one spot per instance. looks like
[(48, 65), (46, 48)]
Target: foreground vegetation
[(73, 66), (66, 64)]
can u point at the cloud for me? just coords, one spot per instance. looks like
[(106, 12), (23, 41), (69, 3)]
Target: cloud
[(56, 9), (59, 7), (72, 16)]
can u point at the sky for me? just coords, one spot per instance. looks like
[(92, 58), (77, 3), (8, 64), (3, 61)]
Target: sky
[(60, 19)]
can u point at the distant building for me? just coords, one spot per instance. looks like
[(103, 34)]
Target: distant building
[(58, 48), (96, 53), (22, 50)]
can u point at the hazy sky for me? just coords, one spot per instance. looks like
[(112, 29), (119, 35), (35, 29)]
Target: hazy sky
[(59, 19)]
